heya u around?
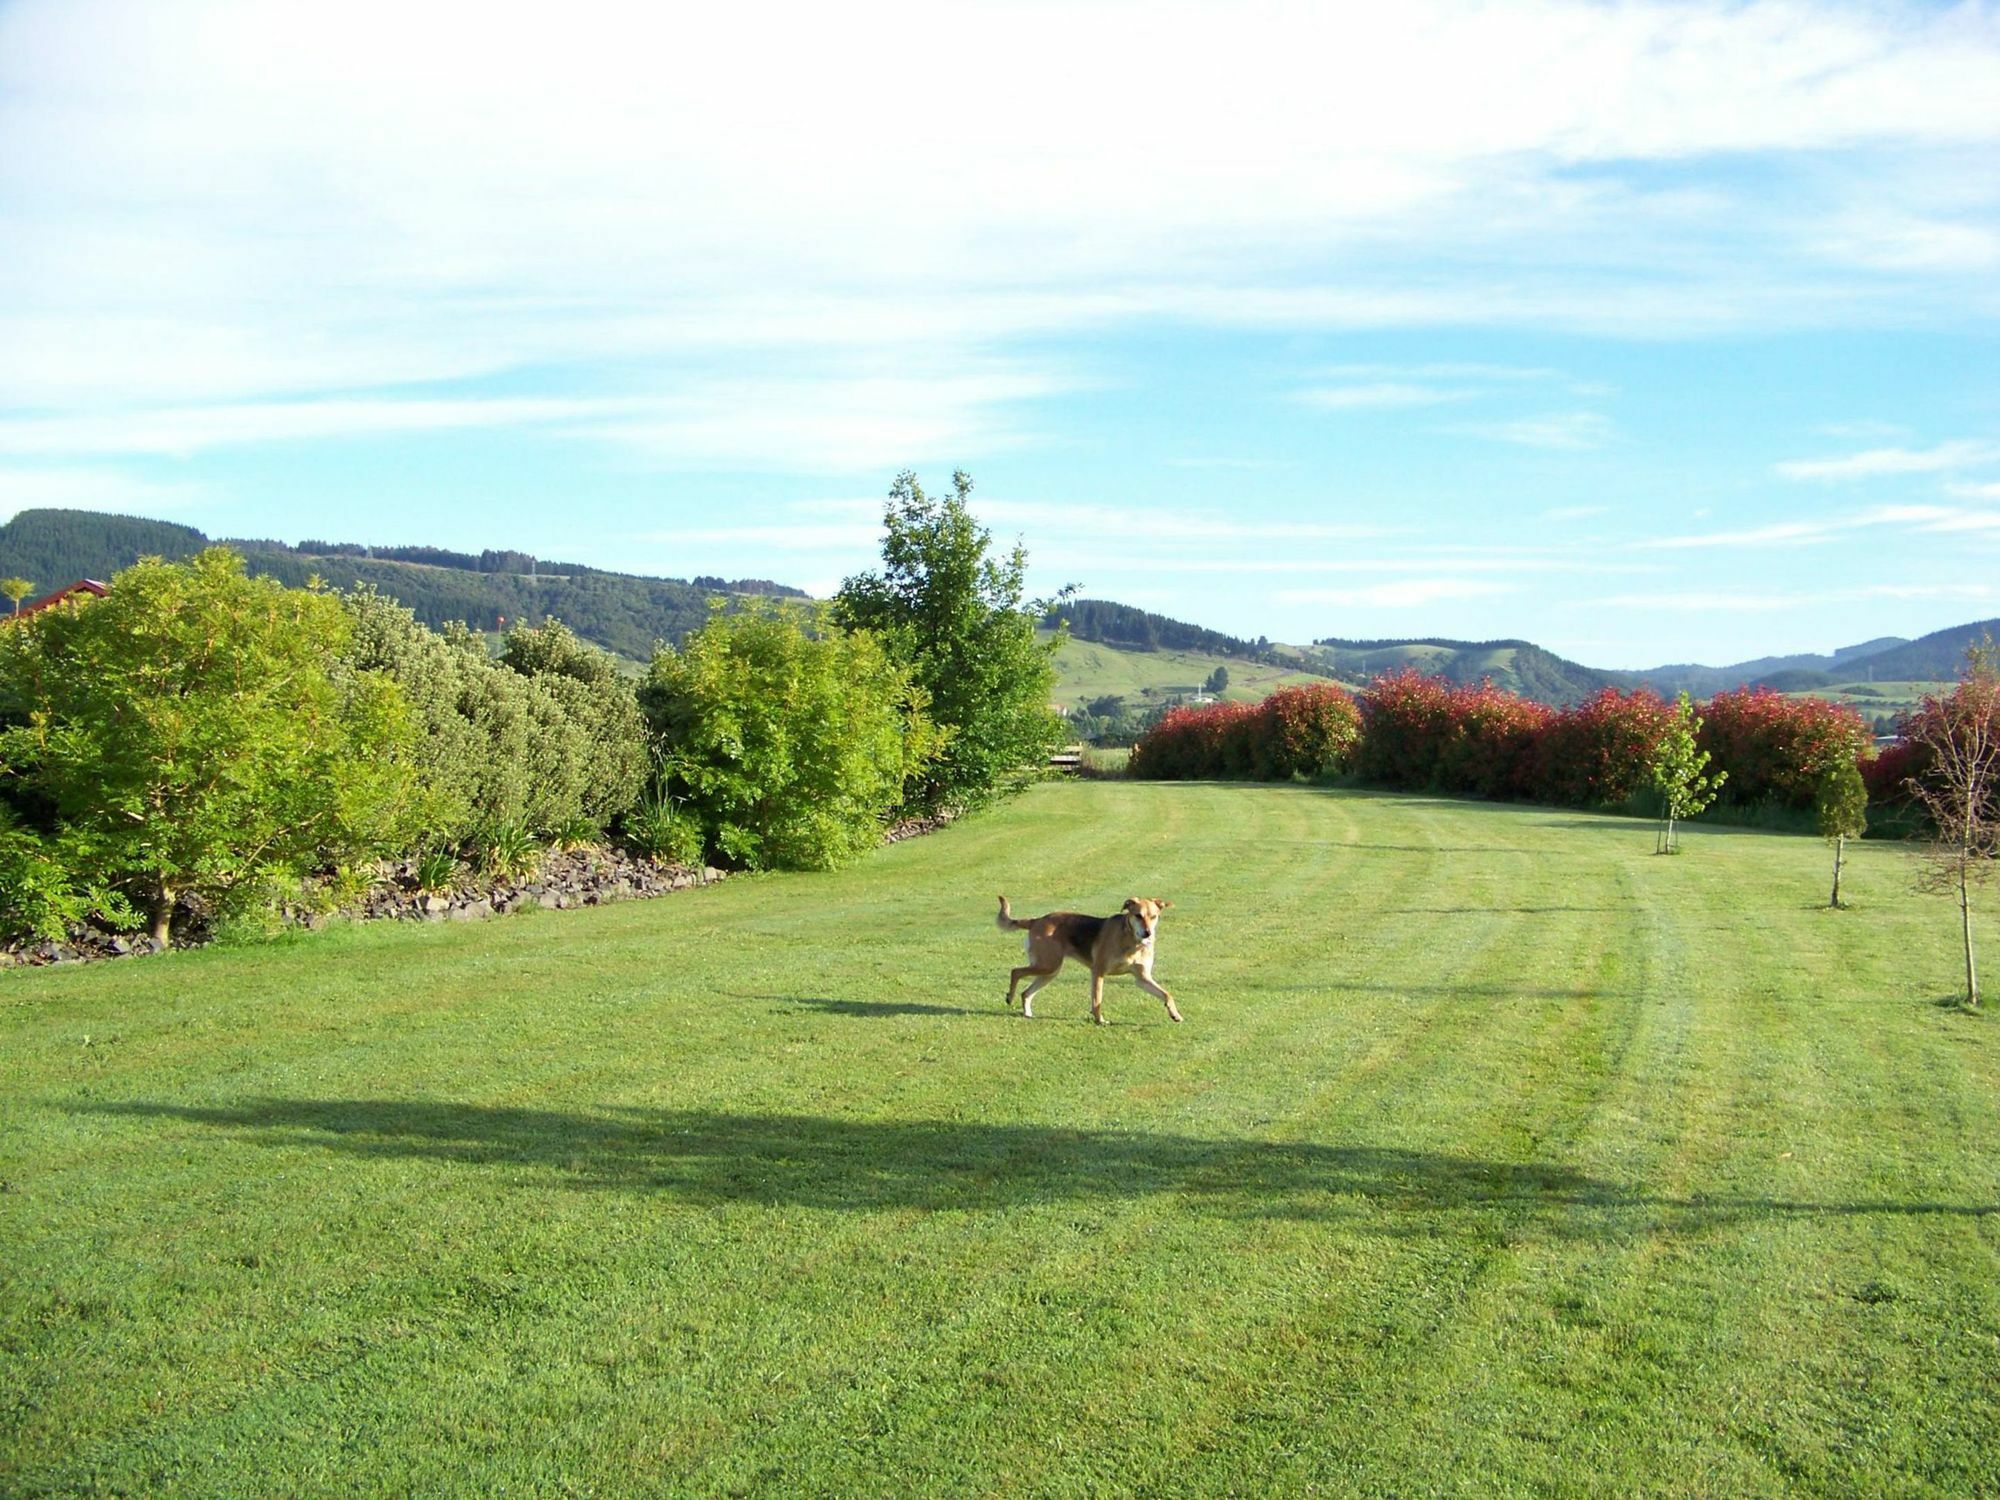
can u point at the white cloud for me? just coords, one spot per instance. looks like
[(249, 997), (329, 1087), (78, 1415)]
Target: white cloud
[(1696, 602), (1944, 458), (1131, 526), (1441, 370), (1402, 594), (207, 203), (1379, 394), (1765, 601), (94, 489), (1922, 518), (1986, 490), (181, 431), (1568, 432)]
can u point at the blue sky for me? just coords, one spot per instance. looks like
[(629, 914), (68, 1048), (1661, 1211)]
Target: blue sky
[(1647, 332)]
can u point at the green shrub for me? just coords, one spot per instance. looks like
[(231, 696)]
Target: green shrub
[(610, 762), (202, 732), (662, 830), (509, 849), (41, 897), (436, 871), (556, 742), (792, 740)]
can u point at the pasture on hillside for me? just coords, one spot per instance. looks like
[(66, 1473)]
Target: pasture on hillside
[(1091, 669), (1495, 1155)]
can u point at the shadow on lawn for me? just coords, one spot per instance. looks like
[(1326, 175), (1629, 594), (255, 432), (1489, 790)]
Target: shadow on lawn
[(708, 1157), (873, 1008)]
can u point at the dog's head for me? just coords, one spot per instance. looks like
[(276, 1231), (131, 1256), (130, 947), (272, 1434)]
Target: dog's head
[(1143, 912)]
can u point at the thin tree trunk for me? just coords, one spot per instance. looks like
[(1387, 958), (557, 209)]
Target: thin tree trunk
[(1839, 849), (1965, 931), (163, 916)]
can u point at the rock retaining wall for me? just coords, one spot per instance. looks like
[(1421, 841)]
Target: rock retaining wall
[(564, 879)]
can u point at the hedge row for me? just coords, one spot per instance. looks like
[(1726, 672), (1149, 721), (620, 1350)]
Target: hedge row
[(1302, 731), (1418, 733)]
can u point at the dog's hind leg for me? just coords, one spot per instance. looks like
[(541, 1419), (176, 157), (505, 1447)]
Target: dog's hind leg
[(1145, 982), (1028, 995), (1036, 977)]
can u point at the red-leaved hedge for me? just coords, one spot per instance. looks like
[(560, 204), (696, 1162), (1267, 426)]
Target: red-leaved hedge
[(1302, 731), (1774, 747), (1422, 733), (1598, 753)]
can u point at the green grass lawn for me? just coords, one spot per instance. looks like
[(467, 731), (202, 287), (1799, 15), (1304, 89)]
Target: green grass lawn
[(1495, 1156)]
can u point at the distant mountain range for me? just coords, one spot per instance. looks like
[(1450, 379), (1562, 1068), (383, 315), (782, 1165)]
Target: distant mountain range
[(627, 613), (1528, 669), (623, 612)]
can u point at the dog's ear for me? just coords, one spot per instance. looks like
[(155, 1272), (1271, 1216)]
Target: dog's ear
[(1163, 905)]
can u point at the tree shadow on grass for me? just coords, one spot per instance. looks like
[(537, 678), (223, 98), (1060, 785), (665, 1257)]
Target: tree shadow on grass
[(709, 1157), (1450, 991), (1511, 911), (873, 1009), (1425, 848)]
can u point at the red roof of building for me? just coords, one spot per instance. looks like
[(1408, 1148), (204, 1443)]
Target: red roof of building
[(67, 591)]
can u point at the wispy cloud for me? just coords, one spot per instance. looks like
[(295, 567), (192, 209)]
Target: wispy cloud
[(372, 209), (1984, 490), (1404, 593), (1379, 395), (1440, 370), (1920, 518), (182, 431), (1963, 453), (1567, 432), (1136, 527), (96, 489), (1766, 601), (1575, 512)]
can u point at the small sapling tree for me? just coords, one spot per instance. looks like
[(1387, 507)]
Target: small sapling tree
[(1841, 801), (1959, 791), (1679, 767), (16, 589)]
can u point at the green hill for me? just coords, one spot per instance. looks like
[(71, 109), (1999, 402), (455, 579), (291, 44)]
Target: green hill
[(1518, 666), (1135, 629), (1089, 670), (623, 612), (55, 547)]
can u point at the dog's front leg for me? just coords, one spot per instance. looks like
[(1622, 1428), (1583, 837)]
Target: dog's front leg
[(1097, 997), (1147, 984)]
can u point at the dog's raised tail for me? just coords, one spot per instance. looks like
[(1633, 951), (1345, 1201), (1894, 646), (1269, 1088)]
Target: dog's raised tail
[(1006, 921)]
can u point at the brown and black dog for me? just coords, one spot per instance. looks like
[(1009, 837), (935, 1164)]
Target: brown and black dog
[(1110, 945)]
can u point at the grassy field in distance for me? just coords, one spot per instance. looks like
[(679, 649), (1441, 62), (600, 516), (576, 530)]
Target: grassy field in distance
[(1873, 698), (1495, 1155), (1090, 669)]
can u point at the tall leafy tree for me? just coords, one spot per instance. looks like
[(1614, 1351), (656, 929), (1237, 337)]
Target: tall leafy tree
[(1958, 736), (198, 733), (959, 617), (1679, 775)]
